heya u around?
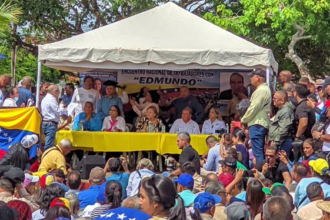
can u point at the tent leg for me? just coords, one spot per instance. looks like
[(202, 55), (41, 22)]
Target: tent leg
[(38, 84), (268, 76), (275, 82)]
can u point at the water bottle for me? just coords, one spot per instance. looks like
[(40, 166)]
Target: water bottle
[(150, 127), (81, 127), (227, 126), (163, 129)]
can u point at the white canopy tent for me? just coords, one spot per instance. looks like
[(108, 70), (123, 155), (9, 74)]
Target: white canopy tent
[(163, 38)]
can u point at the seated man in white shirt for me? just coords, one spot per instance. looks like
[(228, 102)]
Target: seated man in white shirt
[(185, 124), (13, 97)]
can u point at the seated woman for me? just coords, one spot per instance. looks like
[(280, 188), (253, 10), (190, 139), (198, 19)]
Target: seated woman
[(87, 120), (213, 125), (114, 122), (141, 109), (150, 123), (308, 151)]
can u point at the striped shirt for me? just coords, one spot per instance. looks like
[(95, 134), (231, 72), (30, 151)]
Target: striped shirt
[(100, 210)]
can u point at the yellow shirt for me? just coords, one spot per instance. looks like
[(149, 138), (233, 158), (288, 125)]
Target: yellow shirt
[(53, 159)]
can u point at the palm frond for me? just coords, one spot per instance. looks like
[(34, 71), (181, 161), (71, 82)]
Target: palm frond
[(9, 12)]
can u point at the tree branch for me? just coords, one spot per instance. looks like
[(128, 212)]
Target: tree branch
[(292, 55)]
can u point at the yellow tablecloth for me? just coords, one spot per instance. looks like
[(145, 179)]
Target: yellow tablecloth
[(162, 143)]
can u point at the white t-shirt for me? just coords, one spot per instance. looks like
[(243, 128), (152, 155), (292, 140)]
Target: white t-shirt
[(81, 96), (326, 145), (9, 102)]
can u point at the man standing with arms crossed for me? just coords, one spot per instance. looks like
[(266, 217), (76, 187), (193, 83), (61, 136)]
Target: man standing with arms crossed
[(257, 115)]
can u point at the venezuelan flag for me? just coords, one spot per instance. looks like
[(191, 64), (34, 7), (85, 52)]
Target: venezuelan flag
[(15, 123)]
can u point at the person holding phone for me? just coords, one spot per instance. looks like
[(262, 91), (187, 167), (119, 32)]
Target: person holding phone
[(274, 169)]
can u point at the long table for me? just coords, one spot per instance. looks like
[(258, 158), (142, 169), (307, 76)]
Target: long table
[(162, 143)]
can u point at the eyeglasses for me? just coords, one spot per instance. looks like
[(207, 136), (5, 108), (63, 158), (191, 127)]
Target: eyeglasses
[(270, 155)]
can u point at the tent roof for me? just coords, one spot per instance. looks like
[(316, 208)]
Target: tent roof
[(166, 36)]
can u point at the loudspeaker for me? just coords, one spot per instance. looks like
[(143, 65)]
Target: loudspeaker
[(88, 162)]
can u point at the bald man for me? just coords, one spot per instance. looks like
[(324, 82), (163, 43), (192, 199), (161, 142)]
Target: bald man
[(50, 111), (285, 76), (25, 94), (280, 130)]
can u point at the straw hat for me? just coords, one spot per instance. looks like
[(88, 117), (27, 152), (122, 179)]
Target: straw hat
[(324, 206)]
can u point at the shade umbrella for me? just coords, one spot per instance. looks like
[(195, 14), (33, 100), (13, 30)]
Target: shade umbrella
[(2, 57)]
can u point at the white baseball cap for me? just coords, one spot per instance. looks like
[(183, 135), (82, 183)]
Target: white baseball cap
[(29, 179), (29, 140)]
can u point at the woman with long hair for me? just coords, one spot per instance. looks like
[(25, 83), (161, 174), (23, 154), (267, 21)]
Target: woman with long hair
[(98, 87), (141, 109), (255, 197), (214, 124), (308, 153), (51, 192), (113, 194), (158, 198), (142, 95), (239, 144)]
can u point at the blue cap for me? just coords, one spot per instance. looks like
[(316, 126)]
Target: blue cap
[(205, 201), (124, 213), (185, 180), (64, 187), (101, 195)]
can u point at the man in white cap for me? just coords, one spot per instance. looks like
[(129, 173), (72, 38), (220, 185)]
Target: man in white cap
[(18, 154)]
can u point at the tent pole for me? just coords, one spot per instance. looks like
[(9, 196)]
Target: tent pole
[(38, 84), (275, 82), (268, 76)]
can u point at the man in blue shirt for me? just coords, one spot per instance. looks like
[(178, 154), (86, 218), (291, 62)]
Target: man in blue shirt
[(25, 94), (111, 99), (89, 196), (185, 185), (213, 157), (69, 89), (319, 168), (90, 120)]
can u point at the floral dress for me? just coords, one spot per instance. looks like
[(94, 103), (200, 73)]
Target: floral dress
[(147, 126)]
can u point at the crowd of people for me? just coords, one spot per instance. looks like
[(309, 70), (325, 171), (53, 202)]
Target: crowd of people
[(272, 163)]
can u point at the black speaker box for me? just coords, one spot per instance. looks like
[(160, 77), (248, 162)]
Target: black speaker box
[(88, 162)]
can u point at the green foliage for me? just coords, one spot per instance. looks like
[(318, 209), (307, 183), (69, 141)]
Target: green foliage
[(270, 23), (27, 66)]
